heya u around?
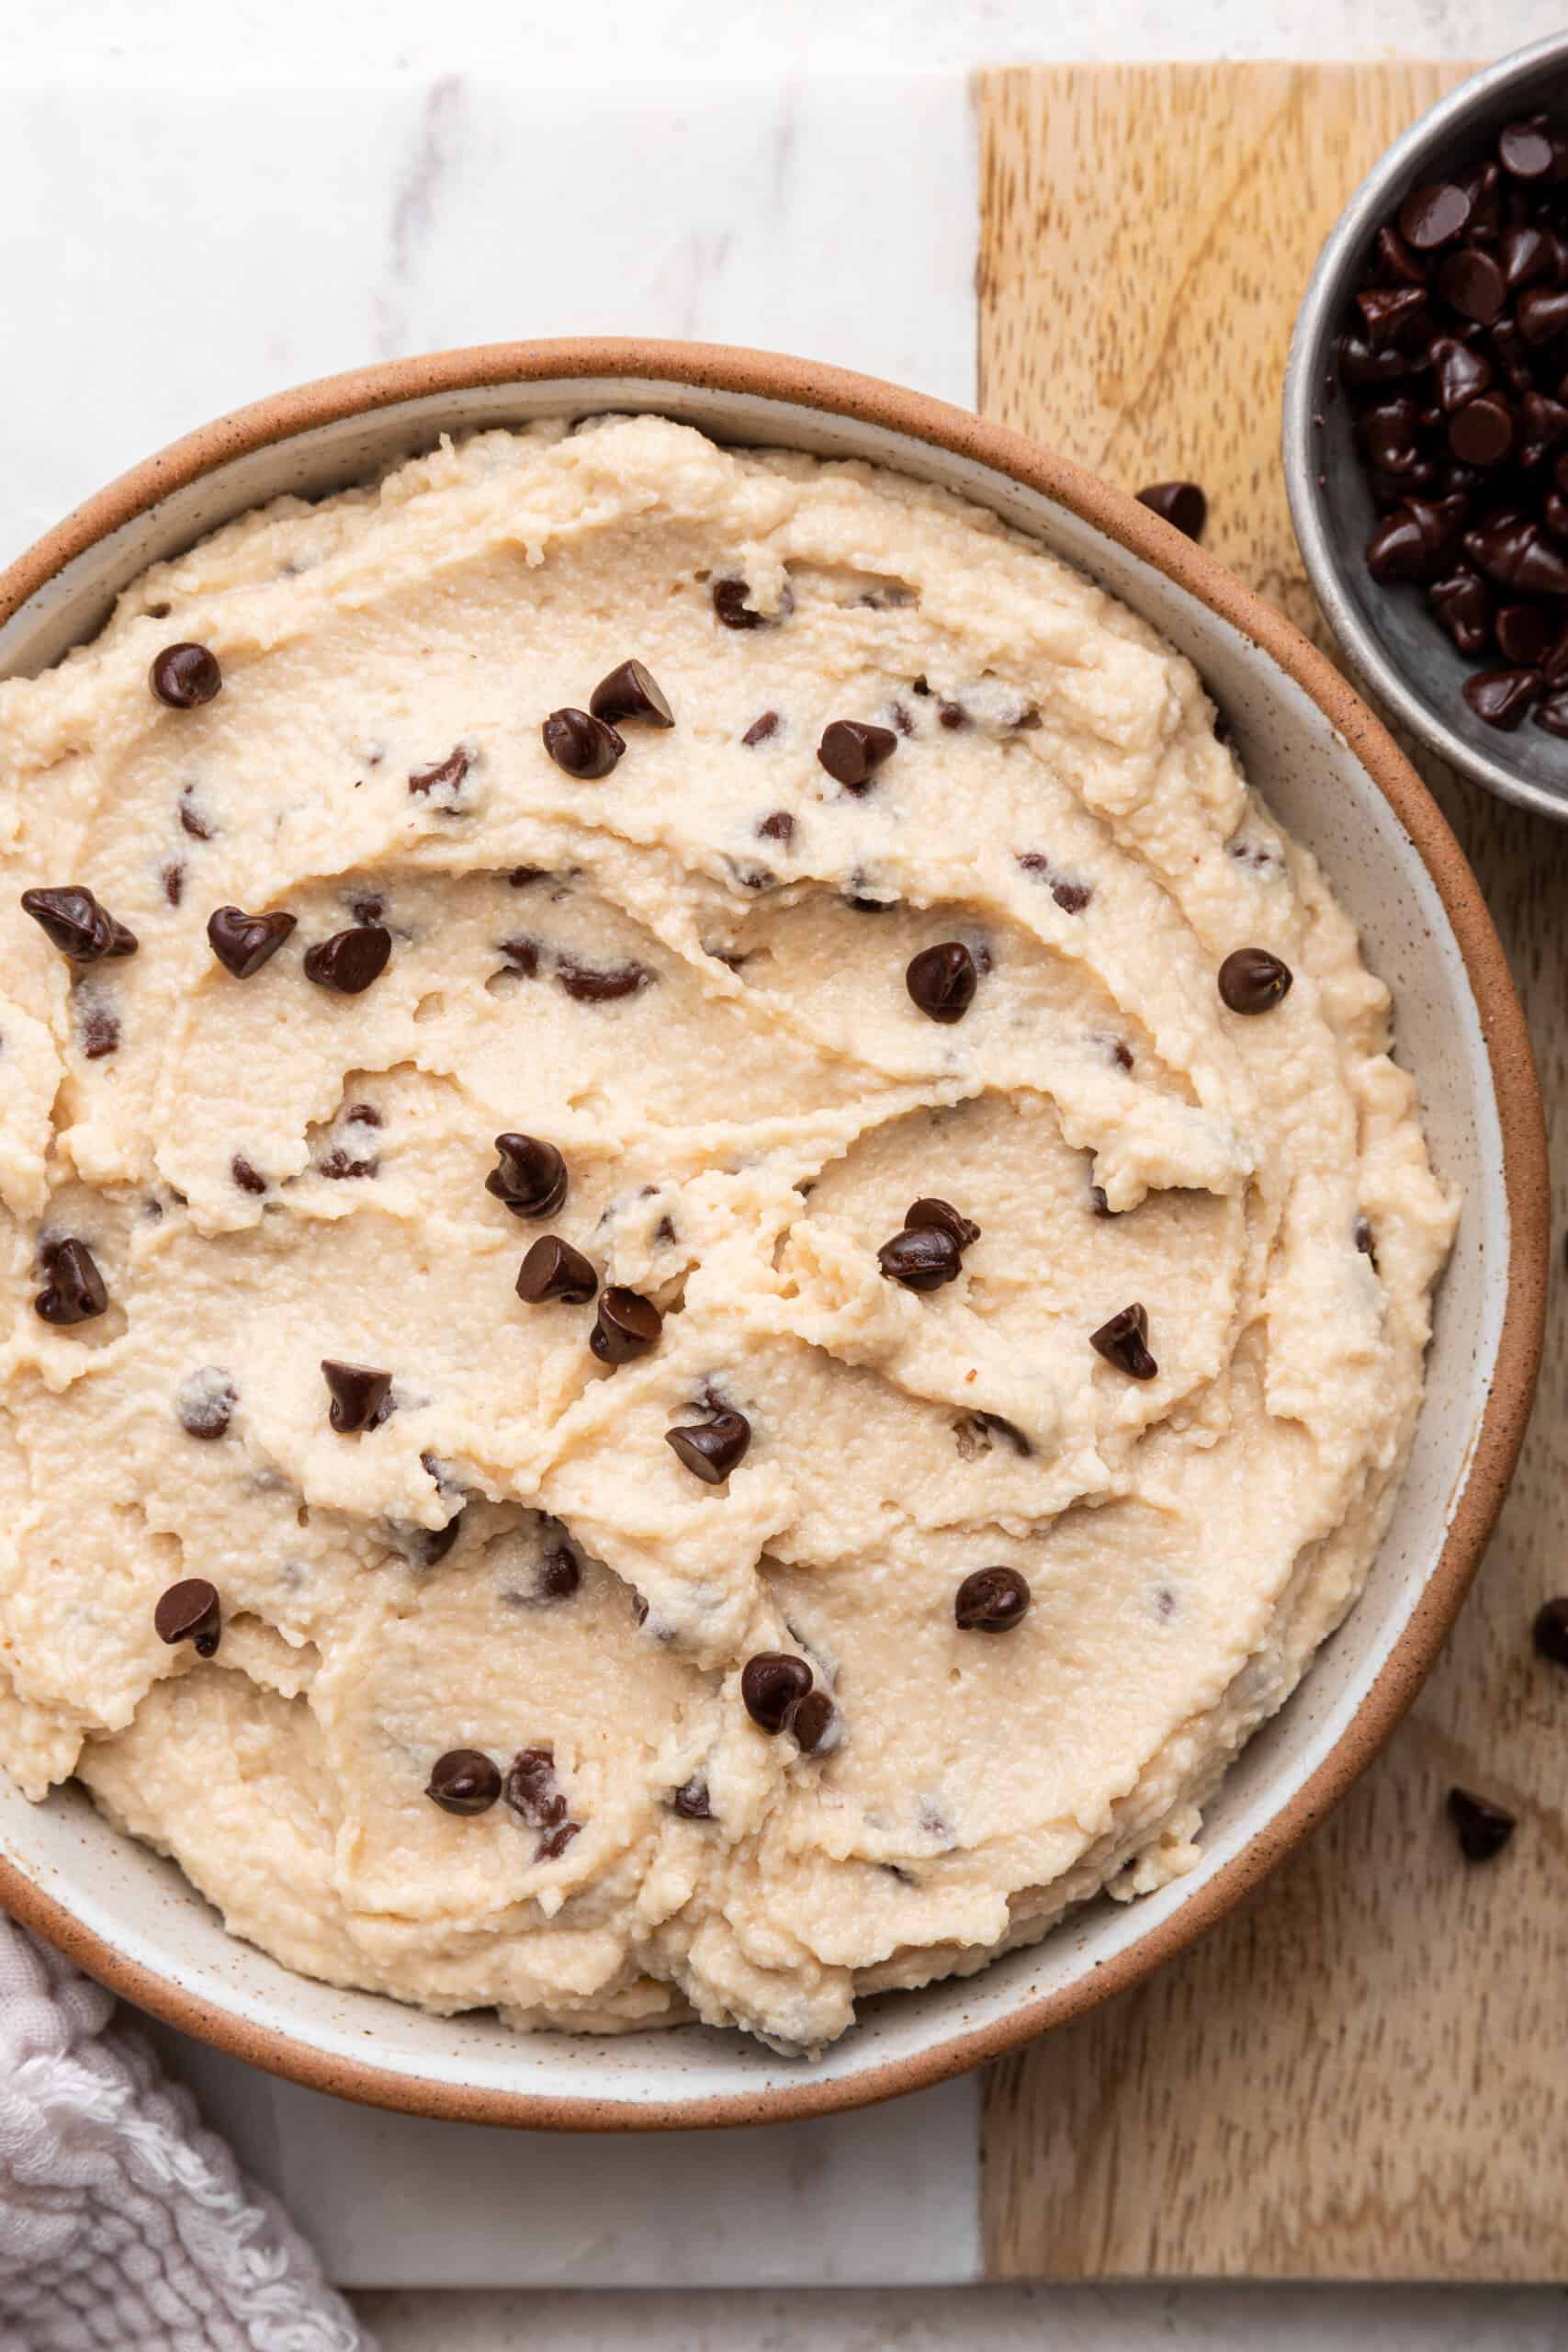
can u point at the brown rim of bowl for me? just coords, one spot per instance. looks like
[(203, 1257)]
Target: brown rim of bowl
[(837, 392)]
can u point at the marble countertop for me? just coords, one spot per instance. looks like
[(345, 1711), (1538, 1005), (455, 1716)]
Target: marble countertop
[(208, 204)]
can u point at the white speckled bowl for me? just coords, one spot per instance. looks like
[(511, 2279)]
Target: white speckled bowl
[(1338, 782)]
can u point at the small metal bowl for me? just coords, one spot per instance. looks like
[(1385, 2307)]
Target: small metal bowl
[(1411, 664)]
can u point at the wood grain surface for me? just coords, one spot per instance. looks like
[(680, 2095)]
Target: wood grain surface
[(1364, 2072)]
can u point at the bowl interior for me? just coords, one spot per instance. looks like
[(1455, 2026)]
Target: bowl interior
[(1410, 659), (140, 1905)]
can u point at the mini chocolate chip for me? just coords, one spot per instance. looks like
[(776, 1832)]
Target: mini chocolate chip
[(1123, 1341), (249, 1178), (338, 1166), (530, 1175), (1502, 696), (359, 1396), (941, 981), (772, 1685), (1252, 980), (172, 876), (192, 820), (532, 1790), (690, 1800), (551, 1847), (953, 715), (928, 1210), (778, 827), (1433, 216), (442, 776), (100, 1034), (368, 907), (628, 1326), (852, 751), (629, 692), (711, 1450), (184, 676), (601, 984), (762, 729), (244, 943), (72, 921), (1470, 282), (205, 1403), (189, 1611), (554, 1270), (1524, 150), (349, 960), (1484, 1828), (1182, 503), (521, 954), (464, 1781), (922, 1259), (730, 606), (581, 744), (817, 1723), (1549, 1631), (996, 1425), (991, 1600), (75, 1291), (561, 1574)]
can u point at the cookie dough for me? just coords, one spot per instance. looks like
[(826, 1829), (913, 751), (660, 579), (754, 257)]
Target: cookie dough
[(1045, 1333)]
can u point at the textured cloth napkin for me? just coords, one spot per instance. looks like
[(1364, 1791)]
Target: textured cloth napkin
[(126, 2226)]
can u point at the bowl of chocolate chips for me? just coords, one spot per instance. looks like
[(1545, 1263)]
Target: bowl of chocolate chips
[(1426, 435)]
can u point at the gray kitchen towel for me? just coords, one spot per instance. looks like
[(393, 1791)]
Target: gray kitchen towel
[(124, 2223)]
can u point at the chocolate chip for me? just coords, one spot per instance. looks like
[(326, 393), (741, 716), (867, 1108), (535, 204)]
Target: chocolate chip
[(1526, 635), (72, 919), (1484, 1828), (349, 960), (1462, 602), (444, 776), (1397, 260), (1543, 314), (464, 1781), (1527, 254), (1482, 433), (762, 729), (1182, 503), (192, 820), (941, 981), (852, 751), (523, 878), (581, 745), (1502, 697), (1458, 371), (339, 1167), (189, 1611), (244, 943), (1361, 366), (1549, 1631), (1123, 1341), (601, 984), (75, 1291), (1433, 216), (559, 1575), (953, 715), (711, 1450), (921, 1257), (690, 1800), (172, 876), (359, 1396), (554, 1270), (522, 956), (368, 907), (1252, 980), (1523, 151), (772, 1685), (817, 1723), (530, 1176), (1070, 895), (994, 1425), (628, 1326), (991, 1600), (100, 1032), (249, 1178), (532, 1790), (427, 1546), (184, 676), (931, 1212), (629, 692), (778, 827), (1470, 282), (1553, 712), (205, 1403), (730, 606), (1365, 1240)]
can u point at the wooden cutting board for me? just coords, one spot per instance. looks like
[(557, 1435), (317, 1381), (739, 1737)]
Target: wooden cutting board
[(1364, 2072)]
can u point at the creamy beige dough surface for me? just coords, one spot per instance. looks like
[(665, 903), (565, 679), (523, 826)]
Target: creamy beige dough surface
[(269, 1174)]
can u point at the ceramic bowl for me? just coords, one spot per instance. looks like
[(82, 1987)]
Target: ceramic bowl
[(1339, 782), (1409, 661)]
